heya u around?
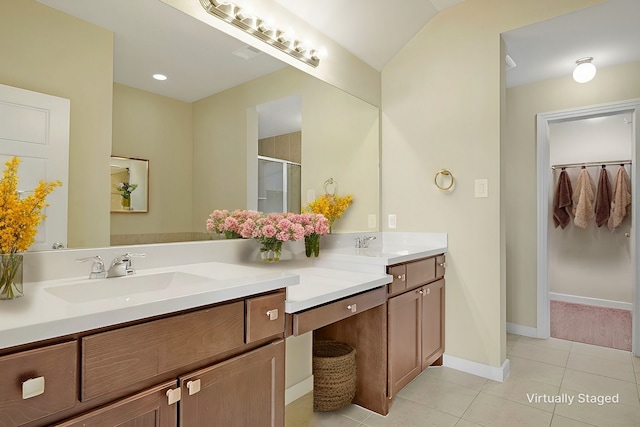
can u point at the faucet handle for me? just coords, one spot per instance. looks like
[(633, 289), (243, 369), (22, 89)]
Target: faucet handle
[(97, 268), (126, 260)]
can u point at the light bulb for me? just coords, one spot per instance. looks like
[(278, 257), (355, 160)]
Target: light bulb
[(585, 71)]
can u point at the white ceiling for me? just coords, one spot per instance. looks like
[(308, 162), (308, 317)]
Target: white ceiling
[(152, 37), (609, 32), (373, 30)]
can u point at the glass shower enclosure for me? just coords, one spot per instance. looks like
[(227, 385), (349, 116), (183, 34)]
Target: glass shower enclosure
[(279, 185)]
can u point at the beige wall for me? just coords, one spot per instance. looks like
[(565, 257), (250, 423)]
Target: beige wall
[(519, 151), (159, 129), (47, 51), (340, 136), (441, 109)]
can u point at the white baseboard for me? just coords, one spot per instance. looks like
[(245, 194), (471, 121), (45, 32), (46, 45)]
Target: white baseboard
[(298, 390), (591, 301), (527, 331), (485, 371)]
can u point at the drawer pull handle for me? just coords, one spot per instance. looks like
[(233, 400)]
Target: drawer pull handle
[(174, 395), (273, 314), (352, 307), (32, 387), (193, 386), (428, 291), (401, 277), (443, 264)]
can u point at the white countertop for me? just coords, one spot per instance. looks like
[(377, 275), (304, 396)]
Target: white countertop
[(53, 308), (41, 315), (385, 255), (322, 285)]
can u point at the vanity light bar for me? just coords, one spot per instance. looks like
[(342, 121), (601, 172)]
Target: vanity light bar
[(257, 27)]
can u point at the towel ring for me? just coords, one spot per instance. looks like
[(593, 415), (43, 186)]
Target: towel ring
[(330, 182), (444, 173)]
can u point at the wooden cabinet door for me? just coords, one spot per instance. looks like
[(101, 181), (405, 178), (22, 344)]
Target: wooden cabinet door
[(149, 408), (432, 322), (404, 335), (247, 390)]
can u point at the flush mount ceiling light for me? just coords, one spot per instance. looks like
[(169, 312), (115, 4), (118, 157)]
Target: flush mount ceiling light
[(159, 77), (585, 71), (262, 30)]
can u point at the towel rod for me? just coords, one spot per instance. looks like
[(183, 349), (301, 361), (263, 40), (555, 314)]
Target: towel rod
[(575, 165)]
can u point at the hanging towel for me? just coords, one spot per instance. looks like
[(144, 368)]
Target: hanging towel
[(603, 198), (621, 198), (562, 201), (583, 198)]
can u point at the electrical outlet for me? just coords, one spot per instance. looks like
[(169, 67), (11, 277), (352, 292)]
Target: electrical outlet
[(392, 220), (311, 196), (372, 220)]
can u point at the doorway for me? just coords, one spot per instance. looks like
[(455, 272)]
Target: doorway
[(548, 269)]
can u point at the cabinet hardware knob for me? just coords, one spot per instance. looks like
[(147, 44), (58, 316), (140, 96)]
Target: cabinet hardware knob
[(273, 314), (32, 387), (428, 291), (443, 264), (421, 292), (174, 395), (401, 277), (352, 308), (193, 386)]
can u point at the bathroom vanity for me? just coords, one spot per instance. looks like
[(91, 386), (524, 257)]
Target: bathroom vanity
[(396, 326), (182, 364), (182, 344)]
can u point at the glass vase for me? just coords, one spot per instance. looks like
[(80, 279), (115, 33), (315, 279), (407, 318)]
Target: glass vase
[(312, 245), (270, 250), (10, 276), (126, 203), (231, 234)]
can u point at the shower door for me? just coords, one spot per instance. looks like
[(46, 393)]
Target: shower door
[(278, 185)]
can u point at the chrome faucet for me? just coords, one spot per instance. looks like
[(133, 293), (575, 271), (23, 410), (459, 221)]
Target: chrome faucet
[(363, 242), (121, 265), (97, 268)]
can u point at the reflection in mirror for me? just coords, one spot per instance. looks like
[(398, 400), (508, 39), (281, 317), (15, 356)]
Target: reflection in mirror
[(199, 140), (280, 155), (129, 185)]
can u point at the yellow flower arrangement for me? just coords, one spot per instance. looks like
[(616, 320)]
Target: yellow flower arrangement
[(331, 206), (20, 217)]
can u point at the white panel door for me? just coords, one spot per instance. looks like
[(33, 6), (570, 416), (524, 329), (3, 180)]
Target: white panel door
[(35, 127)]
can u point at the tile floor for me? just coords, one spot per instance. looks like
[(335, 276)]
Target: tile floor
[(551, 368)]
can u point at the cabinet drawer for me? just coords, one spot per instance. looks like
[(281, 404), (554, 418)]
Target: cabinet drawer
[(56, 365), (118, 358), (421, 272), (399, 273), (265, 316), (441, 265), (325, 315)]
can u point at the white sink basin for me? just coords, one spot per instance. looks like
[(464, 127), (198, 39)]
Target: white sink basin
[(123, 287)]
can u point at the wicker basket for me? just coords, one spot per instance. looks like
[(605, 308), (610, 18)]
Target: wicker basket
[(334, 375)]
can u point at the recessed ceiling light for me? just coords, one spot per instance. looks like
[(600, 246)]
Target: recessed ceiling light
[(160, 77)]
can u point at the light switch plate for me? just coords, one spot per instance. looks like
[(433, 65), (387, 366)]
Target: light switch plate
[(482, 188), (372, 221)]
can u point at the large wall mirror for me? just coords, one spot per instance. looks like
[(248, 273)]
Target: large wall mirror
[(203, 145), (129, 185)]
